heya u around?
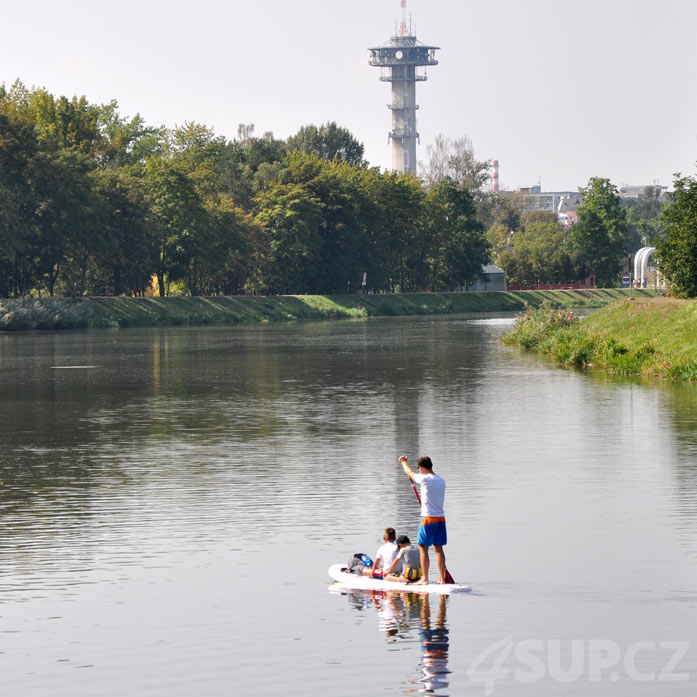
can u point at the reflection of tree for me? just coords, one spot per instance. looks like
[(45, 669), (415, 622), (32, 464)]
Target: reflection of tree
[(435, 382), (201, 412)]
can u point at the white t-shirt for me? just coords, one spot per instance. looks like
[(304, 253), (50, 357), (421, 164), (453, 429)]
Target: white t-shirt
[(387, 553), (432, 495)]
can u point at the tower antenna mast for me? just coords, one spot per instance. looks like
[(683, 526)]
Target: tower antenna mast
[(400, 62), (403, 30)]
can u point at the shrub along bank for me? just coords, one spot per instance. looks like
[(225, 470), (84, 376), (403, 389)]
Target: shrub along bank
[(76, 313), (653, 337)]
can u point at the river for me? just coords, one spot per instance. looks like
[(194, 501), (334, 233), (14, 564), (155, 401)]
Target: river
[(171, 500)]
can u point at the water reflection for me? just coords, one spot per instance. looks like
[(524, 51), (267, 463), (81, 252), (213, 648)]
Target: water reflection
[(408, 617), (680, 402), (129, 489)]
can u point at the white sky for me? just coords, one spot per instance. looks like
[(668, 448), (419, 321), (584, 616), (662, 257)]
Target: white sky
[(559, 90)]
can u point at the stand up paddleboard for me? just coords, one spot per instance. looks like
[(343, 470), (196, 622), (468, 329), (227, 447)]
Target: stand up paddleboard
[(340, 574)]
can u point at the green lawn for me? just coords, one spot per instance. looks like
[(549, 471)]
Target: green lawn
[(640, 336)]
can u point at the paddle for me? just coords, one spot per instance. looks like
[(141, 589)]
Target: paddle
[(447, 578)]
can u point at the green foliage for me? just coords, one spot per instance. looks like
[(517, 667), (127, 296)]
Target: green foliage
[(293, 216), (92, 202), (495, 208), (677, 250), (329, 142), (246, 166), (645, 225), (177, 217), (397, 238), (630, 338), (459, 247), (538, 252), (601, 232), (686, 370), (127, 142), (123, 260)]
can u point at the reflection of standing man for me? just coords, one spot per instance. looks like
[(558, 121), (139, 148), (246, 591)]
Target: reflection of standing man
[(434, 647), (432, 530)]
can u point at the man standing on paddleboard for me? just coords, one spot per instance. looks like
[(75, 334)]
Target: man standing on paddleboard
[(432, 529)]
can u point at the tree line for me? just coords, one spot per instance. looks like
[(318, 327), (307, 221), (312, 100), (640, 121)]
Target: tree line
[(95, 203)]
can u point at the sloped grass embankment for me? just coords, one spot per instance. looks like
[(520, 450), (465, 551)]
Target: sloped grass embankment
[(651, 337), (76, 313)]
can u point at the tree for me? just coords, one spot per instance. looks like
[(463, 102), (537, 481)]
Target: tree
[(63, 123), (198, 152), (601, 231), (177, 215), (644, 222), (48, 145), (18, 147), (397, 239), (248, 164), (126, 257), (227, 265), (537, 253), (329, 142), (127, 142), (455, 159), (499, 208), (345, 216), (677, 250), (459, 248), (64, 213), (293, 217)]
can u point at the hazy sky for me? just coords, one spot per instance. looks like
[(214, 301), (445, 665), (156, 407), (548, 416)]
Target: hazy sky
[(557, 90)]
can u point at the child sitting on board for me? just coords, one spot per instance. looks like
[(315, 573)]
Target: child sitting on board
[(384, 556), (410, 559)]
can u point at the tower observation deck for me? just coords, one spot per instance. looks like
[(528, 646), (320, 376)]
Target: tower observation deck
[(399, 61)]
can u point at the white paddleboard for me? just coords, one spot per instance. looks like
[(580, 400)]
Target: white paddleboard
[(339, 573)]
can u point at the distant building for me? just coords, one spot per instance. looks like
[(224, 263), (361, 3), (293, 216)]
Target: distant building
[(558, 202), (568, 218), (636, 193), (566, 203), (495, 280)]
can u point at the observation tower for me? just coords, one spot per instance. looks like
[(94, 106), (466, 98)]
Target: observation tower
[(399, 61)]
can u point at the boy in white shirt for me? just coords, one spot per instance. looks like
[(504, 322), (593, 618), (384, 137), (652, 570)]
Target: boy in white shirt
[(384, 556)]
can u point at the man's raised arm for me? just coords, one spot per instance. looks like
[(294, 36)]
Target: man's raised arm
[(407, 470)]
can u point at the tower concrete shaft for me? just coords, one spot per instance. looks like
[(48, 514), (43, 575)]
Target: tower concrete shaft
[(399, 61)]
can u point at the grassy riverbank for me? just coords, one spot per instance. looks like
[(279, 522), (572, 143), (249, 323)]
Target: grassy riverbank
[(75, 313), (653, 337)]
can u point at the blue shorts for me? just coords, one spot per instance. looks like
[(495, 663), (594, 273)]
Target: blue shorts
[(432, 531)]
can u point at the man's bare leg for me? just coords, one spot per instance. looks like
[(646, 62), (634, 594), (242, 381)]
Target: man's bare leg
[(425, 563), (440, 558)]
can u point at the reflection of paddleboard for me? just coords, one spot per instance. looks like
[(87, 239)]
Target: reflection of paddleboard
[(339, 573)]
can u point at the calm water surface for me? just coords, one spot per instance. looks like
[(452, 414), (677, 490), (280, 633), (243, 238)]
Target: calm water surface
[(171, 500)]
